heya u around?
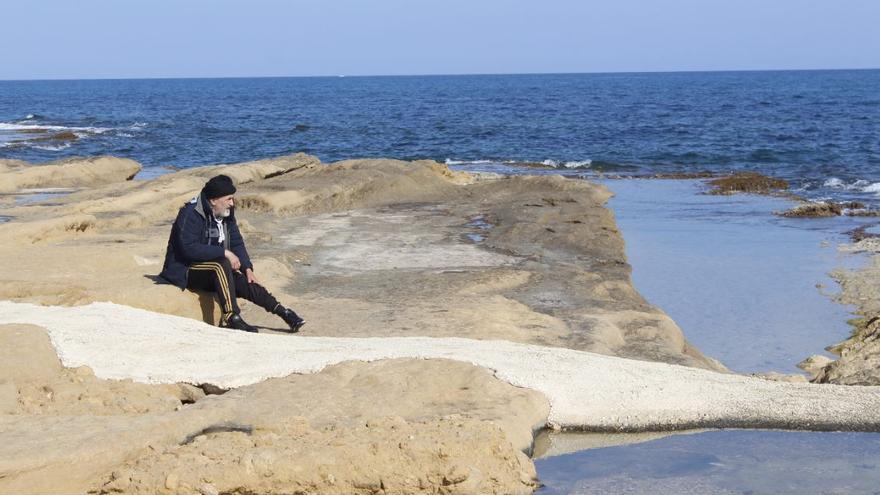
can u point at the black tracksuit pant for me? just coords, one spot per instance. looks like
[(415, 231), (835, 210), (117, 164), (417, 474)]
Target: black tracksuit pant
[(218, 276)]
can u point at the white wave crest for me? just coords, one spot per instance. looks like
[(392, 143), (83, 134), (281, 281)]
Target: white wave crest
[(872, 188), (571, 164), (548, 162), (860, 185), (450, 161), (58, 147), (11, 126)]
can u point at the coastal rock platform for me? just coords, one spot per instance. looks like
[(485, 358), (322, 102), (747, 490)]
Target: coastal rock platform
[(450, 315)]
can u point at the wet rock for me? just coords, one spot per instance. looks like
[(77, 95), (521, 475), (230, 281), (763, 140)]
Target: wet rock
[(747, 182), (58, 136), (822, 209), (815, 364), (859, 362)]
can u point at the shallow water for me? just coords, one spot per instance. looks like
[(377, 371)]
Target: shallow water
[(41, 196), (741, 283), (728, 461)]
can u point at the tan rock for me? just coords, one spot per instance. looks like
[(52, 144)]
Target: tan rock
[(68, 173), (814, 364), (859, 355), (286, 432), (361, 248)]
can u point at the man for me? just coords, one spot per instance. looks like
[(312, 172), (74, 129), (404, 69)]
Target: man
[(206, 252)]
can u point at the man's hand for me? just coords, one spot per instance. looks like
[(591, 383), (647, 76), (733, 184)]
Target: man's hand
[(251, 278), (233, 260)]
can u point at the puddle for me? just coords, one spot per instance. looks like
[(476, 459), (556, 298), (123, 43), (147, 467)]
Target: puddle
[(721, 462), (33, 196), (4, 218), (478, 222)]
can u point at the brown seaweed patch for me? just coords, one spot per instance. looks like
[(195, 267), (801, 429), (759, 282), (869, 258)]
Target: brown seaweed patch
[(58, 136), (747, 182), (823, 209)]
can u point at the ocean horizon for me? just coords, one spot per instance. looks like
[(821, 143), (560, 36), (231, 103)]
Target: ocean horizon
[(564, 73), (815, 128)]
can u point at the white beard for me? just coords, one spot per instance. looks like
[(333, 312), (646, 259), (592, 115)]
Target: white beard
[(225, 213)]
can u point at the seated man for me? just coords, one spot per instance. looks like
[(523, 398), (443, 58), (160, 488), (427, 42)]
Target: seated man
[(206, 252)]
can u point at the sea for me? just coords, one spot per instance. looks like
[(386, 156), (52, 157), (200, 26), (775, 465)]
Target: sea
[(747, 287), (816, 129)]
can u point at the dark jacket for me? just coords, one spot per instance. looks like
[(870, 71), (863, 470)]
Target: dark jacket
[(195, 237)]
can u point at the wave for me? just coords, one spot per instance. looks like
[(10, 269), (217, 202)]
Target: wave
[(586, 165), (450, 161), (859, 185), (35, 128), (872, 188), (572, 164), (52, 137), (51, 147), (32, 116)]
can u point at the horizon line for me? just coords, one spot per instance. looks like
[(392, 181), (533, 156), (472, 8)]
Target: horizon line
[(316, 76)]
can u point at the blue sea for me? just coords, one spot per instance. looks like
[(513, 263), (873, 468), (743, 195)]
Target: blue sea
[(817, 129)]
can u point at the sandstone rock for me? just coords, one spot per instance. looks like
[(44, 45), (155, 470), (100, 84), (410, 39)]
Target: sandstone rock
[(8, 396), (780, 377), (814, 364), (859, 362), (73, 172)]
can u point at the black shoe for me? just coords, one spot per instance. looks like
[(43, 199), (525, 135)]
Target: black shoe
[(236, 322), (292, 319)]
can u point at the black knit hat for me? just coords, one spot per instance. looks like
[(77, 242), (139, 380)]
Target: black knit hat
[(218, 187)]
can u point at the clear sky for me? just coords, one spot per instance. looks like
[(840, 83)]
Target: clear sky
[(51, 39)]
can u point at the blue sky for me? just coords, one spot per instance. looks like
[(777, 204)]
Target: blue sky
[(50, 39)]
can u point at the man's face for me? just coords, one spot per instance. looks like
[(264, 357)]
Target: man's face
[(222, 206)]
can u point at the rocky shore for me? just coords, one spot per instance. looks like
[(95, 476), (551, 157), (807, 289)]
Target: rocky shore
[(450, 316), (858, 360)]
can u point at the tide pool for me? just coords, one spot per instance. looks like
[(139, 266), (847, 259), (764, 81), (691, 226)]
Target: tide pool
[(742, 284)]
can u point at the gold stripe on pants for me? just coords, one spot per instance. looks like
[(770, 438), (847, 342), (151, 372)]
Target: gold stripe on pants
[(224, 283)]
